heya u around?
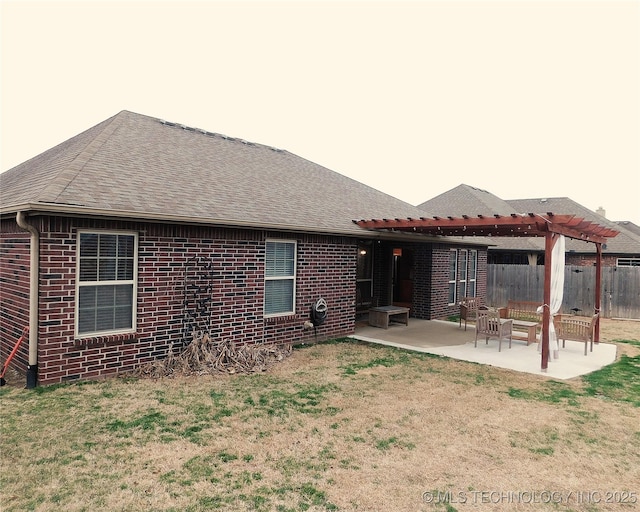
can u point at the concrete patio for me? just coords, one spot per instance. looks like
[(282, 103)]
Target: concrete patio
[(448, 339)]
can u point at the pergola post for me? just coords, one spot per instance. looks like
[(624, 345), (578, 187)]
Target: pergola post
[(597, 304), (546, 311)]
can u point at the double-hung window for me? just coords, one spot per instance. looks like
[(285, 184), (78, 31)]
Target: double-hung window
[(463, 272), (280, 278), (473, 273), (106, 282), (453, 275)]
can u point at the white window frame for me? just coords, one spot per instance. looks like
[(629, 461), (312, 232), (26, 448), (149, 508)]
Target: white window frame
[(292, 277), (453, 253), (628, 262), (80, 284), (464, 270), (473, 272)]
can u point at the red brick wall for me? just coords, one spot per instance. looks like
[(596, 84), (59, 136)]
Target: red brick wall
[(14, 291), (588, 260), (422, 281), (439, 291), (326, 268), (439, 279), (57, 302), (225, 265), (481, 290)]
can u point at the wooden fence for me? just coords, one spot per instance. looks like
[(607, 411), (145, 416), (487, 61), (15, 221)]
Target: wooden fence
[(620, 296)]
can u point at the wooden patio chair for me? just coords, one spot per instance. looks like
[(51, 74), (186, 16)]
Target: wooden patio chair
[(491, 325), (468, 309)]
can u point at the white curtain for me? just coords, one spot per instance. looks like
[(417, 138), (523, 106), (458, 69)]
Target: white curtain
[(557, 291)]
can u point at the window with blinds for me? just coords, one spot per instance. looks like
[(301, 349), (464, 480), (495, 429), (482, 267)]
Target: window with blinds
[(280, 277), (106, 290)]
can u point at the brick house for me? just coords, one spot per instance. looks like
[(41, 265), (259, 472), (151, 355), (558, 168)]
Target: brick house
[(622, 250), (120, 242)]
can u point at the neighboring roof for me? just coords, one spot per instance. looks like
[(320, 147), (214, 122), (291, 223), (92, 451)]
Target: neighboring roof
[(140, 167), (625, 243), (629, 226), (472, 201), (464, 200)]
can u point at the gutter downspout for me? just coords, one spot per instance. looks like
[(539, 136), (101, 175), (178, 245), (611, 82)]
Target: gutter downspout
[(34, 274)]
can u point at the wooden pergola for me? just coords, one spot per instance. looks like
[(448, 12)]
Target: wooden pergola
[(547, 225)]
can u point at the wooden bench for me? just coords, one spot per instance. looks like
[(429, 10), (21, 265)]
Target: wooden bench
[(521, 310), (525, 318), (575, 328), (381, 316)]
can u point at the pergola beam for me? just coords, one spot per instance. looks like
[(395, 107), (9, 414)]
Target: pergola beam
[(513, 225)]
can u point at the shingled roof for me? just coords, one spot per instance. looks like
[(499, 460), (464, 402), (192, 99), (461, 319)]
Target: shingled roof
[(472, 201), (629, 226), (626, 242), (140, 167), (466, 200)]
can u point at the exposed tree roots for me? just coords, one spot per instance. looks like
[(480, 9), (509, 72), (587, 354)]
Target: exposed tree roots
[(205, 356)]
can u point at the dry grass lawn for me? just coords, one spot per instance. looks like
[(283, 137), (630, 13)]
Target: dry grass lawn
[(337, 426)]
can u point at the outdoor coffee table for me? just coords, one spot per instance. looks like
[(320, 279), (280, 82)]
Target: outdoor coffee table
[(381, 315), (530, 327)]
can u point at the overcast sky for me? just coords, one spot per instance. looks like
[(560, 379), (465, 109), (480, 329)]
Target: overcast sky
[(521, 98)]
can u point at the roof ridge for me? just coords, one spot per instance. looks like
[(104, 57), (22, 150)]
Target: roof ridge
[(229, 138), (539, 198), (67, 175)]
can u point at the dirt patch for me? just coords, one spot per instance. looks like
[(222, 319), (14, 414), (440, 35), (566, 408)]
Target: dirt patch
[(612, 330), (617, 330)]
